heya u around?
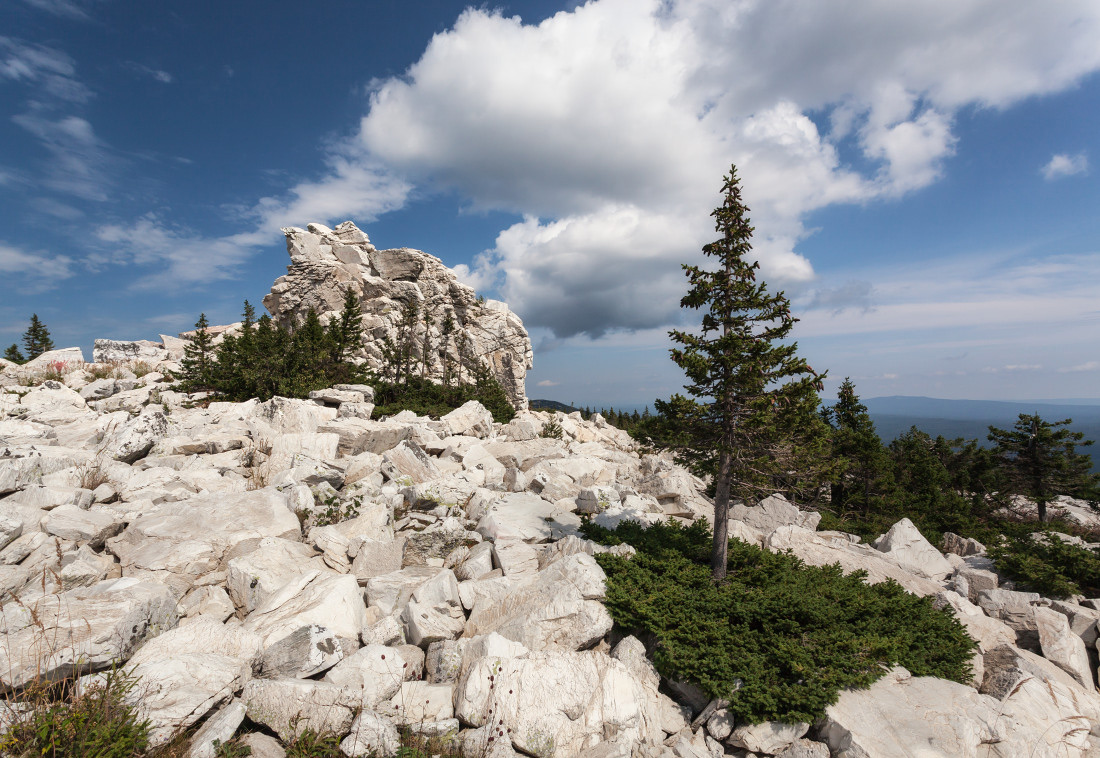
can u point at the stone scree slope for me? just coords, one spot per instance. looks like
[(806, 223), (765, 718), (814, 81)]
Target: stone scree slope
[(325, 263), (451, 592)]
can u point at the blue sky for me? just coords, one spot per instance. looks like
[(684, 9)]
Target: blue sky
[(922, 177)]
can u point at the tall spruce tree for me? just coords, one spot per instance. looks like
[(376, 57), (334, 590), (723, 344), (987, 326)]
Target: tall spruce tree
[(753, 419), (36, 340), (197, 366), (1039, 459), (347, 331), (861, 460)]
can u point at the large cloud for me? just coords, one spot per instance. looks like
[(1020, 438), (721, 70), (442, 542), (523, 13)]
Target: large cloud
[(608, 127)]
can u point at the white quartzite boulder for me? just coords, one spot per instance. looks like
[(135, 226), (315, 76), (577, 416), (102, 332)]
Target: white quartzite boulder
[(906, 545)]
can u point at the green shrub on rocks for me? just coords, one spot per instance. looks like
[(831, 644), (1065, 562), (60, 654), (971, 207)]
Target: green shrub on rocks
[(777, 638), (1048, 565), (64, 721)]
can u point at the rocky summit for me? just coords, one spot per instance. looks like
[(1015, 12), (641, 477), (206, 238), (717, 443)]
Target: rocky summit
[(296, 564), (325, 263)]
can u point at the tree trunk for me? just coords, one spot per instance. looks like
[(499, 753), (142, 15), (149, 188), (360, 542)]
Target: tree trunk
[(720, 546), (1042, 504)]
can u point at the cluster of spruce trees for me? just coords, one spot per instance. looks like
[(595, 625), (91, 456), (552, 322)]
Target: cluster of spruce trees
[(36, 340), (267, 359)]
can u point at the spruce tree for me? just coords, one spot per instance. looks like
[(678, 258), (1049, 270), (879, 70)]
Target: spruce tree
[(347, 331), (197, 366), (36, 340), (12, 354), (1040, 460), (861, 463), (753, 419)]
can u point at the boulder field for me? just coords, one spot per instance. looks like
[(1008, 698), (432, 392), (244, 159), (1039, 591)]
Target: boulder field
[(301, 565)]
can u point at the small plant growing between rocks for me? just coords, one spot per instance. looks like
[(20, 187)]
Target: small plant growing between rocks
[(66, 720), (551, 430), (231, 749), (333, 511)]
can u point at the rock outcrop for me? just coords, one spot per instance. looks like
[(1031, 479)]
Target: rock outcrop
[(325, 263)]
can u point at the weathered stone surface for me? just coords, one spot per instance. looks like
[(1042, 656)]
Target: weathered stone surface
[(391, 592), (93, 527), (804, 749), (406, 463), (263, 746), (1016, 609), (136, 437), (290, 706), (372, 735), (177, 691), (377, 557), (331, 600), (1082, 620), (769, 737), (942, 717), (303, 653), (953, 543), (434, 611), (1062, 647), (823, 548), (325, 263), (341, 542), (254, 577), (218, 728), (989, 633), (471, 419), (81, 630), (773, 512), (557, 607), (527, 517), (126, 351), (559, 702), (373, 672), (418, 702), (907, 546)]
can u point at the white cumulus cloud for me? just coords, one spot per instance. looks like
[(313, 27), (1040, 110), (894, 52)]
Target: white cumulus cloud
[(608, 128), (1063, 164)]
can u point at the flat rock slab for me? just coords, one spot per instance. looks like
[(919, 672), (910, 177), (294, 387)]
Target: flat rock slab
[(331, 600), (821, 549), (82, 630), (558, 607), (290, 706)]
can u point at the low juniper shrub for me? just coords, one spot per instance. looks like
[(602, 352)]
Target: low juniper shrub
[(1048, 565), (778, 639)]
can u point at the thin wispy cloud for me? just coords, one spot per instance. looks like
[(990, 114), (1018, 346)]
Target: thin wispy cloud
[(1063, 164), (1087, 366), (81, 162), (50, 72), (153, 73), (37, 270), (62, 8)]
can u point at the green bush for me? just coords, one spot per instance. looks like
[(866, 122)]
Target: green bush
[(64, 723), (425, 398), (777, 638), (1048, 565)]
